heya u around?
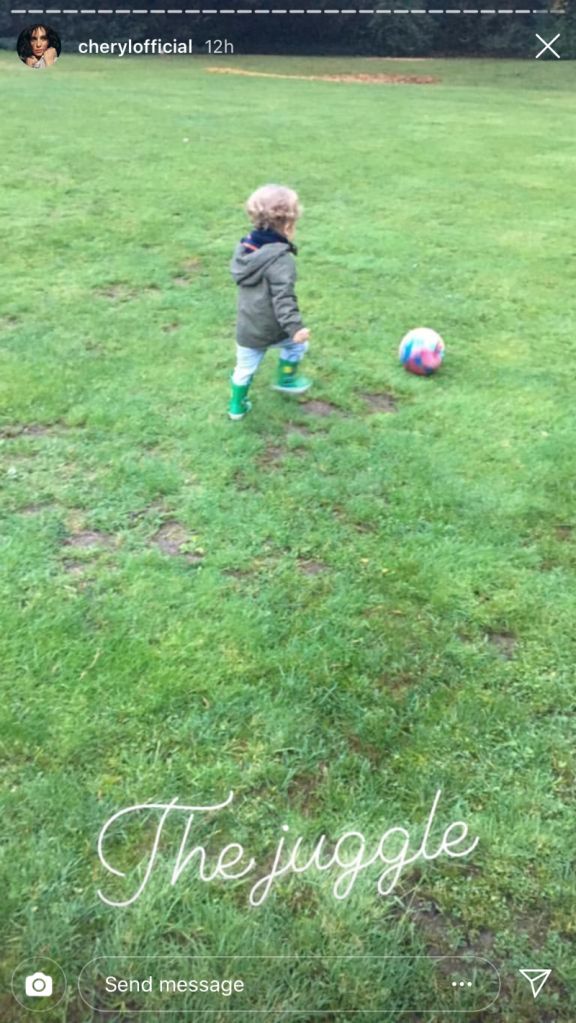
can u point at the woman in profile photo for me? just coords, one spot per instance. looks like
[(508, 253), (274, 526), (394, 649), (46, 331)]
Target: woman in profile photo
[(38, 46)]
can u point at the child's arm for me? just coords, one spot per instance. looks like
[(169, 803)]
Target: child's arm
[(282, 279)]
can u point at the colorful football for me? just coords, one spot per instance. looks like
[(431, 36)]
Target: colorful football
[(421, 351)]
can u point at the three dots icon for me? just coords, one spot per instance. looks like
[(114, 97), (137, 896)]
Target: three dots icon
[(461, 983)]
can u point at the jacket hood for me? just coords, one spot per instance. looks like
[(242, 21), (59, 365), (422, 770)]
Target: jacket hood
[(248, 268)]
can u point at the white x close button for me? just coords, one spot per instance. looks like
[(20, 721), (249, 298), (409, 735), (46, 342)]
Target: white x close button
[(548, 46)]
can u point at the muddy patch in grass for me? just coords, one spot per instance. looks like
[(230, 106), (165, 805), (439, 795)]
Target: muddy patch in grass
[(445, 936), (188, 270), (435, 928), (271, 456), (192, 265), (366, 750), (564, 532), (274, 454), (6, 322), (549, 565), (74, 568), (237, 573), (398, 685), (347, 79), (155, 509), (122, 292), (114, 292), (37, 508), (173, 539), (303, 789), (241, 481), (364, 527), (440, 933), (311, 567), (90, 538), (318, 407), (298, 429), (482, 941), (536, 926), (13, 430), (94, 348), (504, 643), (380, 402)]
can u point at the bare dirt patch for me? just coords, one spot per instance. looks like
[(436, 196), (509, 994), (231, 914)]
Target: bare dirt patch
[(94, 348), (122, 292), (74, 568), (317, 407), (173, 539), (439, 932), (241, 481), (114, 292), (504, 642), (367, 750), (271, 456), (303, 790), (564, 532), (536, 926), (401, 60), (302, 431), (548, 565), (380, 402), (435, 928), (156, 509), (398, 686), (192, 265), (89, 538), (347, 79), (310, 567), (37, 507), (188, 270), (236, 573), (274, 454), (169, 328), (366, 527), (13, 430)]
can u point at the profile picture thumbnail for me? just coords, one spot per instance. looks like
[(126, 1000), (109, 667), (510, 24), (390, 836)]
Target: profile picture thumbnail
[(38, 46)]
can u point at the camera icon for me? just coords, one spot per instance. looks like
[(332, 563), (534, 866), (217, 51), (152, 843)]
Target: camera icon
[(38, 985)]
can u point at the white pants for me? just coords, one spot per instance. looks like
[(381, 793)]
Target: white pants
[(248, 359)]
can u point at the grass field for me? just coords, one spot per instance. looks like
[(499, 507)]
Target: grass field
[(334, 609)]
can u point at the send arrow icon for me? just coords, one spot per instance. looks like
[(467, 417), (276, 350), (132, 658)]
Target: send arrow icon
[(536, 979)]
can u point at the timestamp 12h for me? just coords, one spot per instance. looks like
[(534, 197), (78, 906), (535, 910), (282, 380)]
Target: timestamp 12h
[(219, 47)]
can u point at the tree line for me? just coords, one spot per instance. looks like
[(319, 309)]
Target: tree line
[(411, 35)]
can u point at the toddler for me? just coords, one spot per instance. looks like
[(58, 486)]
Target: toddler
[(264, 269)]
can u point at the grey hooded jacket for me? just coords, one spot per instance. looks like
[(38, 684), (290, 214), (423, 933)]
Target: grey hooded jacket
[(267, 306)]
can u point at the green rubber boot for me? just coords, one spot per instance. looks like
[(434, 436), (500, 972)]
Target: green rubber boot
[(239, 404), (289, 380)]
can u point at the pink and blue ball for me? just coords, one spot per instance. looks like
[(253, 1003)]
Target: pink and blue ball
[(421, 351)]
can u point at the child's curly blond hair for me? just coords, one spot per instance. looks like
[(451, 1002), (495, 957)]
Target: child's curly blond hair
[(274, 206)]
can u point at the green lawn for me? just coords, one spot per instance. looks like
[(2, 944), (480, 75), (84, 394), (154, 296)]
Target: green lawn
[(332, 610)]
